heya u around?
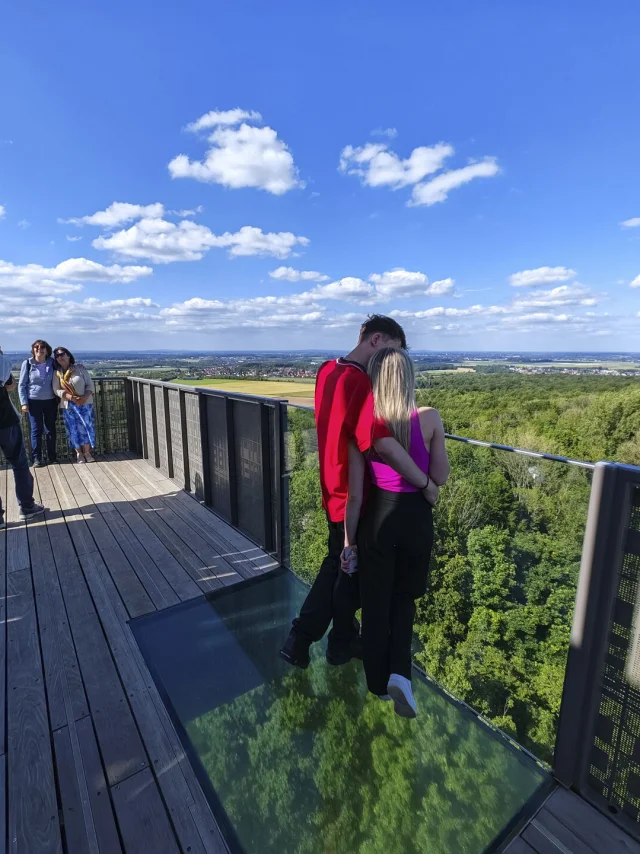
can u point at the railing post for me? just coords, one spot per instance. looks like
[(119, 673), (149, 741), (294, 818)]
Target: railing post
[(204, 445), (282, 485), (103, 410), (265, 465), (131, 418), (167, 430), (231, 460), (603, 542), (184, 433), (143, 420), (154, 425)]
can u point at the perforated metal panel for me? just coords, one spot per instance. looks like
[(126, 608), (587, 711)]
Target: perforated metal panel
[(151, 446), (176, 435), (218, 454), (157, 392), (194, 443), (614, 759), (249, 485)]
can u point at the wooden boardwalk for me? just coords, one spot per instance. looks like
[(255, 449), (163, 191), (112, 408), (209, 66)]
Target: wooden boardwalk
[(567, 824), (90, 762)]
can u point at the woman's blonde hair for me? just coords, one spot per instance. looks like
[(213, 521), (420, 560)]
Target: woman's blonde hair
[(393, 381)]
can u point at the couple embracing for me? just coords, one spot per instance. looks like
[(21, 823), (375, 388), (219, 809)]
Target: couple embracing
[(382, 461)]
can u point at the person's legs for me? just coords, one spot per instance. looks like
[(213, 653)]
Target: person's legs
[(50, 413), (415, 541), (13, 448), (71, 426), (376, 554), (35, 420)]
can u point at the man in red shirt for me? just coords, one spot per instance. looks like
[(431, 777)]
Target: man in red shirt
[(344, 413)]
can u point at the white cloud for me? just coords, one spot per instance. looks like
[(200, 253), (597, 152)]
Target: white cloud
[(541, 276), (438, 189), (390, 133), (188, 212), (635, 283), (240, 156), (23, 223), (64, 278), (441, 311), (73, 239), (634, 222), (117, 214), (288, 274), (377, 166), (89, 316), (402, 283), (562, 295), (199, 314), (221, 118), (543, 317), (348, 289), (163, 242), (3, 211)]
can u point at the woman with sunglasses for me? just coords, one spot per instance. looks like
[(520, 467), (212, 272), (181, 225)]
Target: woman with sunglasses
[(35, 390), (72, 383)]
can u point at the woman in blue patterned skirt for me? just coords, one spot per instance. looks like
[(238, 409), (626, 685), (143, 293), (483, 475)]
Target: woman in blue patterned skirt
[(74, 386)]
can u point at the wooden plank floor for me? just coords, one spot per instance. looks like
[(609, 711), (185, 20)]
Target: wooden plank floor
[(89, 760)]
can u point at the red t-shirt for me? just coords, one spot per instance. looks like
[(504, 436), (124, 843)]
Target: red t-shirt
[(344, 412)]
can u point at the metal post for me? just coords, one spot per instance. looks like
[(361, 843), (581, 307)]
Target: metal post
[(603, 542), (103, 410), (154, 426), (132, 439), (231, 460), (167, 430), (204, 444), (265, 465), (184, 431)]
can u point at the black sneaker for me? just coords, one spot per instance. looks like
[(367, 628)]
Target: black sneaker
[(295, 651), (31, 513), (339, 655), (38, 464)]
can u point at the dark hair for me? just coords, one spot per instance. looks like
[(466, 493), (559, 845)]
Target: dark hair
[(386, 326), (72, 361), (43, 344)]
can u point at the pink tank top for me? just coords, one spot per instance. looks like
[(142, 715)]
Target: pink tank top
[(384, 477)]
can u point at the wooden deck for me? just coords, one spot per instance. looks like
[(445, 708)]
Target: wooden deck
[(90, 762)]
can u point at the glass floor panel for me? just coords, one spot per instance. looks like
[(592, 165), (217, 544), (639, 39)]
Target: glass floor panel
[(307, 762)]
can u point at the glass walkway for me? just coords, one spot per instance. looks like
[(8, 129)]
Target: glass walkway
[(306, 762)]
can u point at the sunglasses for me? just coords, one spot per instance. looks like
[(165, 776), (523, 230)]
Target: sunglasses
[(60, 353), (39, 347)]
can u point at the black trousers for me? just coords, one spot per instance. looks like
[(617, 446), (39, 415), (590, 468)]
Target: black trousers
[(395, 538), (333, 596)]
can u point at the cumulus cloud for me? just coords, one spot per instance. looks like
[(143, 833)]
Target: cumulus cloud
[(540, 317), (348, 289), (438, 189), (562, 295), (240, 155), (541, 276), (222, 118), (390, 133), (634, 222), (3, 211), (116, 214), (635, 283), (441, 311), (33, 278), (89, 316), (72, 239), (163, 242), (288, 274), (403, 283), (377, 166), (24, 223), (199, 314)]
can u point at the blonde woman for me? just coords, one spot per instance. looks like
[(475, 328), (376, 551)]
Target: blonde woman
[(395, 534), (73, 385)]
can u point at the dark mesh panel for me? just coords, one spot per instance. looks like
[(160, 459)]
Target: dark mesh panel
[(162, 434), (614, 761), (246, 421), (146, 393), (194, 443), (176, 435), (218, 455)]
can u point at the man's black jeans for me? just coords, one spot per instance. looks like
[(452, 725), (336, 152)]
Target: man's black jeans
[(334, 596), (13, 448)]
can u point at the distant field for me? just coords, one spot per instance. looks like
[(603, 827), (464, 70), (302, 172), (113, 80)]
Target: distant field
[(297, 392)]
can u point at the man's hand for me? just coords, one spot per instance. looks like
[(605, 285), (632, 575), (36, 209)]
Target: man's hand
[(25, 408), (431, 493)]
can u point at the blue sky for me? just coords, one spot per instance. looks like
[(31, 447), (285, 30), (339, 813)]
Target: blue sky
[(465, 168)]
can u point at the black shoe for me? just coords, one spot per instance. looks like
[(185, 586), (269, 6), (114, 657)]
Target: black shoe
[(38, 464), (339, 655), (31, 513), (295, 651)]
